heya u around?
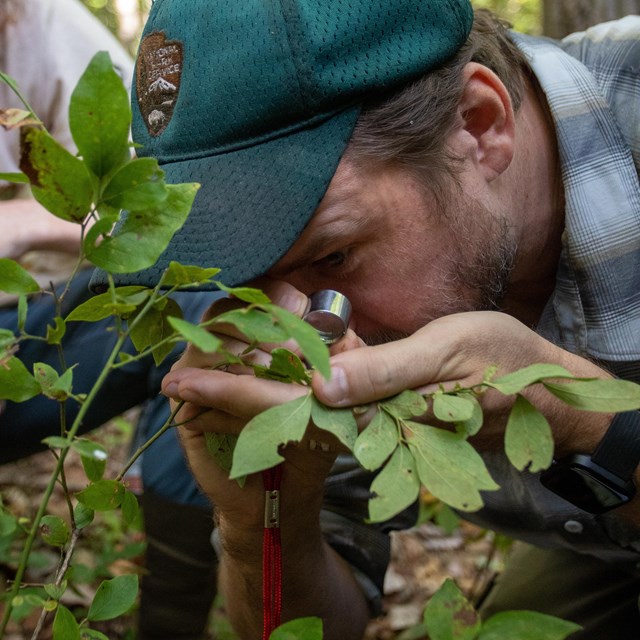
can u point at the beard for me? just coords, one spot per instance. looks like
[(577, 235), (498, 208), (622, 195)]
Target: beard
[(481, 272)]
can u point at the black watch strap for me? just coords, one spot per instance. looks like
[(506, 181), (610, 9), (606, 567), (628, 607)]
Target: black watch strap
[(619, 450)]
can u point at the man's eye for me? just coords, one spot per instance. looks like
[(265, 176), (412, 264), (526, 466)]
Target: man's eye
[(334, 259)]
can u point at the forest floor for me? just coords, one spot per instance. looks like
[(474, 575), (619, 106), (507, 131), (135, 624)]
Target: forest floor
[(421, 557)]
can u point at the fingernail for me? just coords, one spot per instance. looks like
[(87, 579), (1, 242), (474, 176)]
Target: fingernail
[(170, 389), (336, 389)]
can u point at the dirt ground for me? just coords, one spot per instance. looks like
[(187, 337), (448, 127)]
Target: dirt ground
[(422, 557)]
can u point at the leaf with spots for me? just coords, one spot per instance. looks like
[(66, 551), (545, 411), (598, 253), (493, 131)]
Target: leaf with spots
[(448, 466), (450, 616), (59, 181), (139, 239), (100, 116)]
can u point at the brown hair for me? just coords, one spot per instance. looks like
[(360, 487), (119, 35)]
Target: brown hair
[(411, 126)]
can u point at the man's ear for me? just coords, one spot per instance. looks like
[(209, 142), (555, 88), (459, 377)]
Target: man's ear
[(487, 117)]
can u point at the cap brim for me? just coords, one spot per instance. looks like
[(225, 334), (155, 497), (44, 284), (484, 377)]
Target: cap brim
[(253, 203)]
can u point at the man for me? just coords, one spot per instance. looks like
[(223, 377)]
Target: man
[(476, 197)]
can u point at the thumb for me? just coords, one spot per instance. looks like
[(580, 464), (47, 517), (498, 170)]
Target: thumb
[(360, 376)]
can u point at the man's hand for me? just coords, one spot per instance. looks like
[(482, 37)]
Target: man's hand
[(458, 349), (315, 580)]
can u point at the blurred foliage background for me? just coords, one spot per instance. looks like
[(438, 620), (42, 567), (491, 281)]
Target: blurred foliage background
[(554, 18)]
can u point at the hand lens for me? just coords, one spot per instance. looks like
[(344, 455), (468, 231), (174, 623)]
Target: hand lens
[(329, 314)]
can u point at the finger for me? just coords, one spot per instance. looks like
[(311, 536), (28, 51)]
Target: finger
[(284, 295), (212, 421), (360, 376), (240, 396), (350, 340)]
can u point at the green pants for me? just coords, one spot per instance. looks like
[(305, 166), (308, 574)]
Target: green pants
[(587, 591)]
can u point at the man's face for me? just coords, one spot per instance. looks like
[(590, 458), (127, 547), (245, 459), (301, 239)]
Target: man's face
[(381, 240)]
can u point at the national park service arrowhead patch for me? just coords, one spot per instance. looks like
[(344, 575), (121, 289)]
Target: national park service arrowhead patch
[(158, 72)]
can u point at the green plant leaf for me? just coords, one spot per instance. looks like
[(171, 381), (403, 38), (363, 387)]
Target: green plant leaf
[(16, 383), (103, 495), (94, 458), (285, 366), (130, 507), (94, 468), (515, 382), (56, 332), (221, 447), (92, 634), (471, 426), (313, 349), (395, 487), (104, 305), (200, 337), (57, 442), (83, 515), (526, 625), (53, 385), (528, 440), (15, 279), (246, 294), (18, 178), (340, 422), (23, 308), (54, 531), (59, 181), (137, 185), (154, 327), (377, 441), (448, 466), (8, 344), (179, 275), (100, 116), (8, 524), (449, 616), (258, 443), (446, 518), (405, 405), (450, 407), (255, 324), (598, 395), (143, 235), (65, 626), (299, 629), (114, 597), (55, 591)]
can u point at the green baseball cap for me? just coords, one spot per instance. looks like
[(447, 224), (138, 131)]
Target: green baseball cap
[(257, 100)]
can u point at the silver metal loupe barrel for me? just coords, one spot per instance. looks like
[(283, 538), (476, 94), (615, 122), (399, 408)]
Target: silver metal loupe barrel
[(329, 314)]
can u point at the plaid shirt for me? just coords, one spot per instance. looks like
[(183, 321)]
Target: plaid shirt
[(594, 98)]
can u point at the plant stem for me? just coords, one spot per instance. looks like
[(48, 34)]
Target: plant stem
[(60, 573), (26, 551), (142, 448)]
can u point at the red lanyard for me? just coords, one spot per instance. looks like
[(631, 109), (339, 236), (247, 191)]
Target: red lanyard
[(271, 552)]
